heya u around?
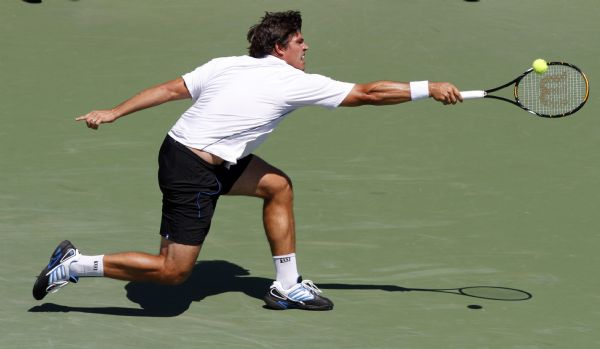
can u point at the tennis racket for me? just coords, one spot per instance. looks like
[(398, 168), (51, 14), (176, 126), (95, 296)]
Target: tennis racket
[(562, 90)]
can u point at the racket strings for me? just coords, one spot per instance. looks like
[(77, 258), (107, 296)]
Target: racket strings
[(559, 91)]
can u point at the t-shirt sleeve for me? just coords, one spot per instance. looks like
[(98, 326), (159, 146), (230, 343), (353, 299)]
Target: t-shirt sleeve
[(314, 89), (195, 79)]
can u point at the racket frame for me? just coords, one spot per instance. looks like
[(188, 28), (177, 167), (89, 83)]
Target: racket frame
[(517, 102)]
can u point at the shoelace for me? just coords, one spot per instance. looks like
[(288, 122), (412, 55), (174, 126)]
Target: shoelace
[(311, 286)]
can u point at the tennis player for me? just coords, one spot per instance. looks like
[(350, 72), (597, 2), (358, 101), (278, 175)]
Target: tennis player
[(236, 103)]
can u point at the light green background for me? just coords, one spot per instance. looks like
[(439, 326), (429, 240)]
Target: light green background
[(418, 195)]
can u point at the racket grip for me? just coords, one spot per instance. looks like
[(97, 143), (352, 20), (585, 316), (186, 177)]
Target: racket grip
[(472, 94)]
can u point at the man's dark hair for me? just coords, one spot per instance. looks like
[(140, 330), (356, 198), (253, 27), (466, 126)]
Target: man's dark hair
[(274, 27)]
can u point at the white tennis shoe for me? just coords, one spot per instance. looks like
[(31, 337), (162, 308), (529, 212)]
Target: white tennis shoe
[(57, 274)]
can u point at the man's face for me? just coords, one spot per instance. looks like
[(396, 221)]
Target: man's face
[(293, 53)]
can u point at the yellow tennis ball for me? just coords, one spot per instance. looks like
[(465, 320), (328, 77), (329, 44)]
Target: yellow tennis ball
[(540, 66)]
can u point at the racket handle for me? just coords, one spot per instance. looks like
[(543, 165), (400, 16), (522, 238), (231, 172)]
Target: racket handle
[(472, 94)]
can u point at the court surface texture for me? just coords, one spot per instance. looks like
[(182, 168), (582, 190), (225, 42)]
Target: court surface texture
[(391, 202)]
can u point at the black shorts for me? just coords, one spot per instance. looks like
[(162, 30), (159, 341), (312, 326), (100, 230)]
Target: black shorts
[(191, 188)]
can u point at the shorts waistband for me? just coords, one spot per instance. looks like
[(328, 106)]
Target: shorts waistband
[(186, 150)]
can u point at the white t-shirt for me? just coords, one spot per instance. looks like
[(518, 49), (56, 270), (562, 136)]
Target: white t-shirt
[(238, 102)]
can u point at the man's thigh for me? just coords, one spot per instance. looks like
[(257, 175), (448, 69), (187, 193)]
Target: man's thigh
[(259, 179)]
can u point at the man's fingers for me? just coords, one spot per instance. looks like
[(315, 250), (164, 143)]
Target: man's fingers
[(452, 96), (458, 95), (92, 119), (446, 93)]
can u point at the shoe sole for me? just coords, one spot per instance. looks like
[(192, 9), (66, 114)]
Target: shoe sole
[(285, 305)]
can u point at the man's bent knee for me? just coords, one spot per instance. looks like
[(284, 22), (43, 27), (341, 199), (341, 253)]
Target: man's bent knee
[(173, 277), (278, 185), (177, 262)]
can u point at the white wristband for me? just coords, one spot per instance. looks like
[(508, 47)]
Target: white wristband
[(419, 90)]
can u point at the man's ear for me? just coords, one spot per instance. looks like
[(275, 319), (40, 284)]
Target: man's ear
[(278, 50)]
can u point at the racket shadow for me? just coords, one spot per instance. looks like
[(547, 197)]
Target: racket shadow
[(496, 293)]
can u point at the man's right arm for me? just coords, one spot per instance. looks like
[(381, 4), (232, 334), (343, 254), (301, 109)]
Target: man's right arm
[(165, 92), (391, 92)]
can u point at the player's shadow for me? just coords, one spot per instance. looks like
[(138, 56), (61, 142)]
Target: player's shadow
[(210, 278)]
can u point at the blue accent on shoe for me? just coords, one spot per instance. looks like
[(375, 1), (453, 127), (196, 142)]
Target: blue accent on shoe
[(56, 256), (300, 295), (283, 304)]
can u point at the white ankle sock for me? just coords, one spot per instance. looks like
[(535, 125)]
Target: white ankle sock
[(286, 270), (88, 266)]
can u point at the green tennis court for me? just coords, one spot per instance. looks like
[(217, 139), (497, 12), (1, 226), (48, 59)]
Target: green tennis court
[(391, 202)]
